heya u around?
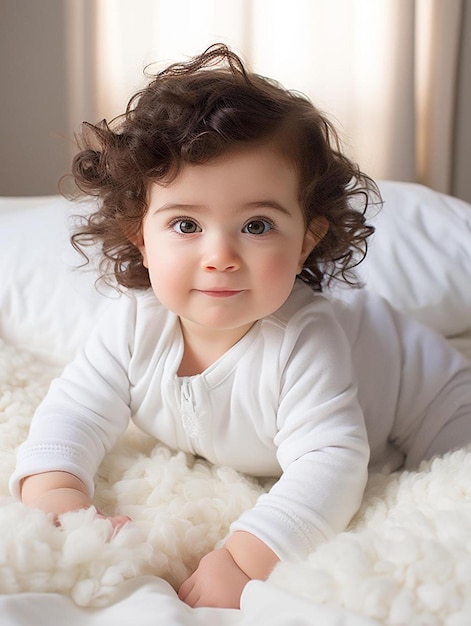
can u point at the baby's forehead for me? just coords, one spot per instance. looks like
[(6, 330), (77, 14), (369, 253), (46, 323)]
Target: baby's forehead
[(252, 176)]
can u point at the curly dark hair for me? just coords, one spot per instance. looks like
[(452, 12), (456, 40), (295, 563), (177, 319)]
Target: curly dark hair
[(195, 111)]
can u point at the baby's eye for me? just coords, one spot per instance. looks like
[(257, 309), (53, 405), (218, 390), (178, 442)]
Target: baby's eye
[(185, 226), (257, 227)]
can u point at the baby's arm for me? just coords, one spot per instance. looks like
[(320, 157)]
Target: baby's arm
[(59, 492), (84, 413), (222, 574)]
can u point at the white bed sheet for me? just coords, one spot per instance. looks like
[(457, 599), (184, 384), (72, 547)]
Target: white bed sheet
[(149, 601)]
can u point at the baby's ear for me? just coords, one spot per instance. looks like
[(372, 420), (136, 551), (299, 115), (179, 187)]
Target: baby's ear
[(138, 241), (316, 231)]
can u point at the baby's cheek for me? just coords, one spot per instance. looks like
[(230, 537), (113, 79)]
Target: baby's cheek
[(164, 277), (281, 266), (164, 267)]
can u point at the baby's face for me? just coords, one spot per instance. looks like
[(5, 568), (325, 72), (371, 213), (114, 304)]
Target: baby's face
[(223, 241)]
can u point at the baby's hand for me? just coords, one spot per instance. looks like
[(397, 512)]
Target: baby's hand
[(59, 493), (58, 501), (117, 521), (217, 582)]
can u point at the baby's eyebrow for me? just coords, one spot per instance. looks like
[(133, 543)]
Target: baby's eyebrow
[(249, 206), (171, 206), (268, 204)]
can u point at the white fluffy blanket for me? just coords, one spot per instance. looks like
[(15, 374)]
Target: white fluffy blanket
[(405, 560)]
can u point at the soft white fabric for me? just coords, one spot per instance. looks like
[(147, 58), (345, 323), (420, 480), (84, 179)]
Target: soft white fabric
[(47, 304), (407, 374), (156, 604), (405, 559), (419, 260), (294, 414), (147, 601)]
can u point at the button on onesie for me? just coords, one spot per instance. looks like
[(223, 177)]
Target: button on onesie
[(193, 399)]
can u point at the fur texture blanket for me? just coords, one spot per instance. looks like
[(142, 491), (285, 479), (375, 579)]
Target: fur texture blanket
[(406, 558)]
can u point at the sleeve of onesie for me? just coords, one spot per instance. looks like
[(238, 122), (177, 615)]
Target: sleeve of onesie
[(87, 408), (322, 445)]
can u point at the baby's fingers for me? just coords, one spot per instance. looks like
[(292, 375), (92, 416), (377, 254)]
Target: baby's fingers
[(188, 592), (117, 521)]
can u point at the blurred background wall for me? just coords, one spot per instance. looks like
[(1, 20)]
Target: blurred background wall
[(394, 75)]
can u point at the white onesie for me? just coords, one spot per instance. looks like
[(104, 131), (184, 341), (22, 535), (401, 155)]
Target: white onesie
[(281, 402)]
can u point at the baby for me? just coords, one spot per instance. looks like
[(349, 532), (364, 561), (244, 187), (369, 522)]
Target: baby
[(226, 208)]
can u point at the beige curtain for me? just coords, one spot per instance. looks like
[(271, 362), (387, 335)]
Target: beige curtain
[(384, 70), (439, 39)]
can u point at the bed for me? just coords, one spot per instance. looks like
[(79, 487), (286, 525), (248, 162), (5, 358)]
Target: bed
[(405, 558)]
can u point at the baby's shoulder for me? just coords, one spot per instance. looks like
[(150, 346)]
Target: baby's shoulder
[(304, 306), (305, 322), (304, 327)]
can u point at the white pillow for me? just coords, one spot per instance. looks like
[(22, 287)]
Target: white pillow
[(47, 304), (419, 260)]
